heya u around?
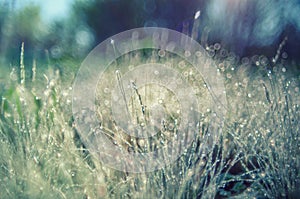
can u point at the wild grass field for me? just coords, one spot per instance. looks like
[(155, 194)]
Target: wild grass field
[(256, 156)]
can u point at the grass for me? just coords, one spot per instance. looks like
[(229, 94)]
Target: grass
[(256, 156)]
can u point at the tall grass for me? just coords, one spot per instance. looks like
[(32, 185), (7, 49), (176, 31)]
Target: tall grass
[(256, 156)]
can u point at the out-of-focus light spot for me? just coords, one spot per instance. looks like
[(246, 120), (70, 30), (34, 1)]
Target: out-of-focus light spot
[(56, 51), (84, 38), (197, 15), (284, 55)]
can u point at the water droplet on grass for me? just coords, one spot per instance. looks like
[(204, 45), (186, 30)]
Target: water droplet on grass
[(198, 54), (217, 46), (161, 53), (284, 55), (228, 75), (187, 53)]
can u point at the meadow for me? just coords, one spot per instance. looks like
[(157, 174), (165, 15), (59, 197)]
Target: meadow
[(256, 156)]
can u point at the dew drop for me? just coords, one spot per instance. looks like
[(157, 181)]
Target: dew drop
[(181, 64), (272, 142), (171, 127), (187, 53), (106, 102), (228, 75), (198, 54), (141, 142), (245, 61), (284, 55), (217, 46), (197, 14), (112, 42), (161, 53), (106, 90)]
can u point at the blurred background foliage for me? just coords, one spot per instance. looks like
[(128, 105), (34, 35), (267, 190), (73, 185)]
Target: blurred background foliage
[(87, 24), (243, 27)]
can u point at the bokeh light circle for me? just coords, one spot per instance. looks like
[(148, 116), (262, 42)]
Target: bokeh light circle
[(98, 113)]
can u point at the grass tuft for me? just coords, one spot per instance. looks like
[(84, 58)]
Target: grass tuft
[(256, 156)]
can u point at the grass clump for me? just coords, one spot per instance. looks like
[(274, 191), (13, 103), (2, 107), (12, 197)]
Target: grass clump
[(256, 156)]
